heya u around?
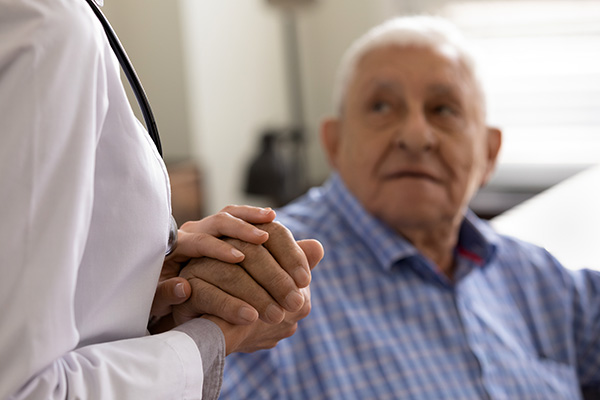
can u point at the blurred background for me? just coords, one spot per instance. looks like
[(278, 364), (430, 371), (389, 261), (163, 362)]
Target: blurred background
[(232, 80)]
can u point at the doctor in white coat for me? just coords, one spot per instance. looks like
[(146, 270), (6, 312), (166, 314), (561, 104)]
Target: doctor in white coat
[(85, 215)]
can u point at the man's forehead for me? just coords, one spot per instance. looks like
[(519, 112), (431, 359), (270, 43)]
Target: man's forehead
[(436, 86), (380, 68)]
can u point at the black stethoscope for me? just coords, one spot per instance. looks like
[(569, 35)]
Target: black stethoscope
[(141, 97)]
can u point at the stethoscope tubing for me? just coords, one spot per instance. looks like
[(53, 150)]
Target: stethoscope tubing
[(131, 75)]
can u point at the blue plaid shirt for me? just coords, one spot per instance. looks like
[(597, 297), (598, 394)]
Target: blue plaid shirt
[(385, 324)]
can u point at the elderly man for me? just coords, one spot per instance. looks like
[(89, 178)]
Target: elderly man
[(416, 297)]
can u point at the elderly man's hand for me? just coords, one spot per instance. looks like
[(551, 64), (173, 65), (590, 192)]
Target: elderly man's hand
[(260, 335), (265, 284)]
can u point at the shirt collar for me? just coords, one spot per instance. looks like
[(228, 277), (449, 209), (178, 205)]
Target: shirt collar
[(386, 245), (477, 240)]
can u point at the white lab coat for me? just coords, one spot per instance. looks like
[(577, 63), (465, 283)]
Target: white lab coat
[(84, 219)]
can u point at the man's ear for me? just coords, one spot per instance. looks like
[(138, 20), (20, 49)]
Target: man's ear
[(494, 142), (330, 139)]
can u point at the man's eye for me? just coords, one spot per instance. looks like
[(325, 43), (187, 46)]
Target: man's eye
[(444, 110), (380, 106)]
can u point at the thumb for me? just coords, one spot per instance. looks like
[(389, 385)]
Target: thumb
[(170, 292), (313, 250)]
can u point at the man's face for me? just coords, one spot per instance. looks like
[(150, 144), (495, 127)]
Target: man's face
[(411, 143)]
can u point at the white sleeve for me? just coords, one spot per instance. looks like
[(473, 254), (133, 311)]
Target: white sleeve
[(157, 367), (51, 107)]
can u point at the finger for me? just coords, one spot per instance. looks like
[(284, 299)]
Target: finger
[(226, 224), (253, 215), (197, 238), (209, 299), (196, 245), (313, 250), (305, 310), (260, 264), (287, 252), (234, 281), (266, 271), (169, 293)]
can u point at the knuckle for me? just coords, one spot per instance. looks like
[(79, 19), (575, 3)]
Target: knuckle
[(222, 215), (280, 282), (249, 249), (188, 226), (203, 241), (203, 296), (229, 208), (231, 276), (199, 268), (200, 237), (274, 228), (223, 309)]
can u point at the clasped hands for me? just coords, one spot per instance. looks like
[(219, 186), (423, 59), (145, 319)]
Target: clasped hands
[(241, 270)]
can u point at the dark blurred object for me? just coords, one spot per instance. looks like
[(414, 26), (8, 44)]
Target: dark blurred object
[(266, 175), (590, 393), (277, 172), (187, 200)]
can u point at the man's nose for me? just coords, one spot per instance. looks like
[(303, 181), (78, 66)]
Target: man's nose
[(415, 134)]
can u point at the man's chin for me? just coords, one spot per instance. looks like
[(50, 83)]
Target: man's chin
[(401, 219)]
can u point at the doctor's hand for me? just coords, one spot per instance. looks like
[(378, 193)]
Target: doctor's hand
[(203, 239)]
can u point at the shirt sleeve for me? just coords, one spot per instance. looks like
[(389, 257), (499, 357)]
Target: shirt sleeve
[(52, 80), (211, 343), (162, 366), (586, 328)]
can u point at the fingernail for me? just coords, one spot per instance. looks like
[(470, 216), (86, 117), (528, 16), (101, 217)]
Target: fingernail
[(248, 314), (274, 313), (266, 211), (294, 300), (301, 276), (180, 290), (237, 253), (259, 232)]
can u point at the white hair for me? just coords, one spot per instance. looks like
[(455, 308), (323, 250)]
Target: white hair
[(422, 31)]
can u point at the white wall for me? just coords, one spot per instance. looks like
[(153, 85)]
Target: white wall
[(150, 32), (236, 87)]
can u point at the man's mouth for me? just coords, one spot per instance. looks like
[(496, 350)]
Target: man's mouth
[(413, 174)]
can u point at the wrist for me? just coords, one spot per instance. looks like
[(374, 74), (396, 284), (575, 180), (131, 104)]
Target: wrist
[(233, 335)]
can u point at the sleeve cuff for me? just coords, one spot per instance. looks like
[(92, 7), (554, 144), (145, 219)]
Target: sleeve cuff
[(211, 343)]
